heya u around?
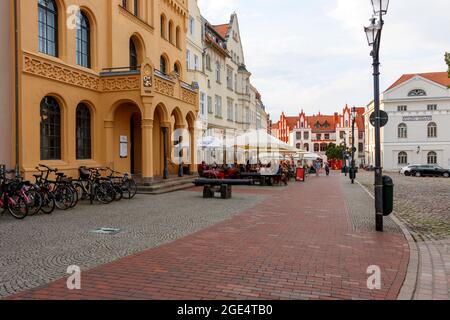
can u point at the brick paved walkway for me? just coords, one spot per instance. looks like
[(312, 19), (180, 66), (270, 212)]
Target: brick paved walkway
[(434, 270), (297, 244), (426, 217)]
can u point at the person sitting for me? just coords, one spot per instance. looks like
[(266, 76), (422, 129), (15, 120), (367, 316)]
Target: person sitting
[(202, 168), (285, 173)]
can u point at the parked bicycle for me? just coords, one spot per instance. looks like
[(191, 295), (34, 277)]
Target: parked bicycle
[(11, 197), (64, 194), (93, 187), (124, 182)]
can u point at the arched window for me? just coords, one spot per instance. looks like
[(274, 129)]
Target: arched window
[(306, 146), (218, 71), (432, 130), (417, 93), (299, 145), (48, 27), (171, 32), (402, 131), (177, 68), (133, 55), (316, 147), (83, 132), (163, 65), (177, 37), (323, 147), (402, 158), (83, 42), (50, 129), (432, 157), (163, 26)]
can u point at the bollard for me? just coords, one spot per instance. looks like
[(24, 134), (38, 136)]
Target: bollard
[(388, 196)]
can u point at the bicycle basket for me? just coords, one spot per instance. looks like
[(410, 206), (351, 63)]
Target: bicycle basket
[(84, 173)]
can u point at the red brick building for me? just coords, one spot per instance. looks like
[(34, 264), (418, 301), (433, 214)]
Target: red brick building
[(314, 133)]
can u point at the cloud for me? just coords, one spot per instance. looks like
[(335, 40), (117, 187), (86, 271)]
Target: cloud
[(217, 11), (314, 54)]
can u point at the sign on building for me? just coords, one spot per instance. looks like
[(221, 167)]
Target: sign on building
[(418, 118), (123, 147)]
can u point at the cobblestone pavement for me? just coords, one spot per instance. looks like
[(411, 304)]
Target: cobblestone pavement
[(39, 249), (423, 204), (299, 243)]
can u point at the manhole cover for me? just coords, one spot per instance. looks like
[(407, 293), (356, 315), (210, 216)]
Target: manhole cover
[(109, 231)]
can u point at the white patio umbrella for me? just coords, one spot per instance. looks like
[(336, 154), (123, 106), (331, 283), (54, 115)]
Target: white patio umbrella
[(210, 142), (260, 139), (311, 156)]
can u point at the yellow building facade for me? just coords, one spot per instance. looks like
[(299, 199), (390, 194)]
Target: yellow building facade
[(101, 84)]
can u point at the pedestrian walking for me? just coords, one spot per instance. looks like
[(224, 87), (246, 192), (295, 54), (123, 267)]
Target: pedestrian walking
[(317, 167), (327, 169)]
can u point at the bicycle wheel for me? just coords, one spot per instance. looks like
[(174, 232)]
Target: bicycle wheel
[(129, 189), (63, 197), (34, 201), (48, 202), (104, 193), (17, 207), (119, 193), (75, 196), (80, 190)]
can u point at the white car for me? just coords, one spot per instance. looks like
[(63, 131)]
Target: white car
[(407, 170)]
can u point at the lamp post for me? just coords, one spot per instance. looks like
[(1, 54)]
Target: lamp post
[(373, 33), (353, 169)]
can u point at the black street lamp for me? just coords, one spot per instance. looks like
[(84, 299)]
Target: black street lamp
[(344, 154), (353, 169), (373, 33)]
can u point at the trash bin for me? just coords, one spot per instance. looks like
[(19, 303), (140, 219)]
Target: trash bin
[(388, 195)]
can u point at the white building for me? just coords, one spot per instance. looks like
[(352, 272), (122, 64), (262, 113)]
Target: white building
[(195, 62), (418, 131), (233, 104)]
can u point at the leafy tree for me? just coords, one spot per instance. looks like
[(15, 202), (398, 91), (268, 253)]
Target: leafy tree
[(334, 152), (447, 60)]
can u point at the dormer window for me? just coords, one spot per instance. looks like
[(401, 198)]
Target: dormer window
[(417, 93)]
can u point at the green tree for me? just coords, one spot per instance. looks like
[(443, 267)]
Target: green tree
[(334, 152), (447, 60)]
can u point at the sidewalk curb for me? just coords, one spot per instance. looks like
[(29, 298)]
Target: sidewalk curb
[(410, 284)]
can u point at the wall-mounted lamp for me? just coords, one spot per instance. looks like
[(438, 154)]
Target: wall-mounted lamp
[(418, 149)]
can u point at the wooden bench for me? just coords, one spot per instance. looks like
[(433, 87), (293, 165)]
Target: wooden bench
[(211, 187)]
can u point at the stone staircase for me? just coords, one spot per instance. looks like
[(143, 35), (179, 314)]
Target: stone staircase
[(161, 186)]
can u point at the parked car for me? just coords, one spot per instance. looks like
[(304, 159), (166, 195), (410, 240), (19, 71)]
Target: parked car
[(430, 171), (407, 170)]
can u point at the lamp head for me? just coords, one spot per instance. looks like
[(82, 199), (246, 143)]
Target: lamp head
[(372, 31), (380, 6)]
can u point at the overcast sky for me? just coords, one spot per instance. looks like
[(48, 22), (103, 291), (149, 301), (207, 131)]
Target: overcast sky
[(313, 54)]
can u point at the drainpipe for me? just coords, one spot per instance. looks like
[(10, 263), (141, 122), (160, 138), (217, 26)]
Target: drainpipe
[(16, 76)]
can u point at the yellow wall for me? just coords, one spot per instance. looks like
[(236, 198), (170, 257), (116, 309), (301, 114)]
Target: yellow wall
[(6, 86), (112, 99)]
